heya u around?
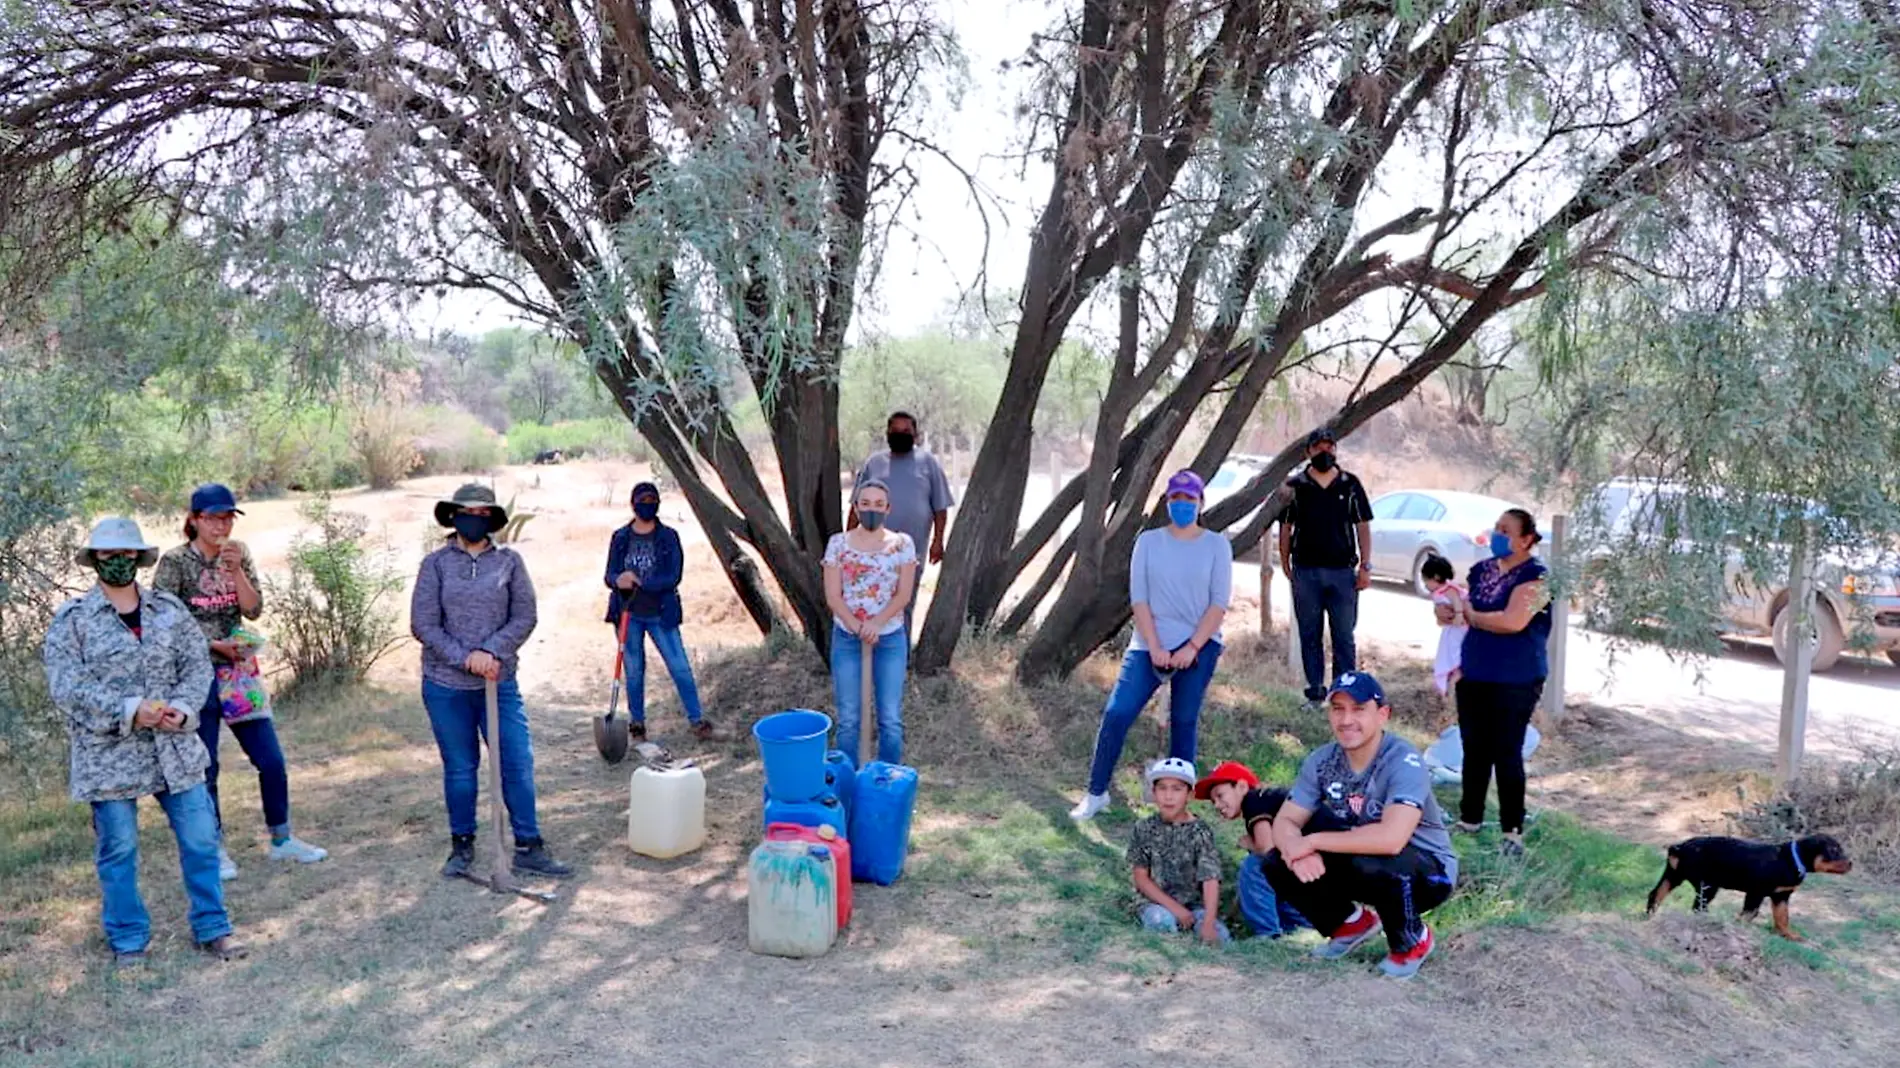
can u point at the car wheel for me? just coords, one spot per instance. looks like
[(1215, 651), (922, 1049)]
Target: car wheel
[(1893, 657), (1418, 573), (1829, 639)]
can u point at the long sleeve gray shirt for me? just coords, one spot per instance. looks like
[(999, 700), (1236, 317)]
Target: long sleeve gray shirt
[(465, 602)]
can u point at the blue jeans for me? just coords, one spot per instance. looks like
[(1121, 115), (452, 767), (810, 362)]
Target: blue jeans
[(1139, 680), (459, 719), (1157, 918), (115, 825), (1325, 595), (1264, 911), (672, 647), (258, 739), (890, 659)]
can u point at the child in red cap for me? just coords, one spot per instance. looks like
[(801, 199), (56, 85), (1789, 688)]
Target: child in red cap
[(1237, 794)]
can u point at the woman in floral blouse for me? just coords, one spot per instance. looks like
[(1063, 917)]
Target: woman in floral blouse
[(870, 575)]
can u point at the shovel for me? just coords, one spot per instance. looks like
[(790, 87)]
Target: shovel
[(610, 730), (867, 702), (499, 880)]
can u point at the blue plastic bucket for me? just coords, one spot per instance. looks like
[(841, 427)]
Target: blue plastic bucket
[(792, 744)]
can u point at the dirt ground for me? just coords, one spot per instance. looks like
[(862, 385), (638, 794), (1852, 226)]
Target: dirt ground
[(369, 958)]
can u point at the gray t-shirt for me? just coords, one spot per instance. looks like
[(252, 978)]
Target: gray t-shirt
[(1179, 580), (1396, 776), (919, 491)]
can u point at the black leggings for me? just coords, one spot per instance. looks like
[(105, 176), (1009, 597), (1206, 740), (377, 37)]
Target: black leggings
[(1492, 719)]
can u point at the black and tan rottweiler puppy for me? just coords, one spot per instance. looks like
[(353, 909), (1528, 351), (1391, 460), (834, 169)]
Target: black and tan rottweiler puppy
[(1760, 872)]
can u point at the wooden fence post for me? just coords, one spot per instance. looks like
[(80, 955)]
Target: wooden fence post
[(1794, 677), (1559, 646), (1267, 554)]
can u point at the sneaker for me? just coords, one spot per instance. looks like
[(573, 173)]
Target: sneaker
[(532, 858), (637, 731), (1405, 965), (1089, 807), (129, 960), (1512, 847), (227, 868), (461, 856), (1461, 827), (294, 848), (1362, 925), (705, 731), (224, 947)]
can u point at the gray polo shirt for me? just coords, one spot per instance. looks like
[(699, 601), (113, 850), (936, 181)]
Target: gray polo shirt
[(919, 491), (1396, 776)]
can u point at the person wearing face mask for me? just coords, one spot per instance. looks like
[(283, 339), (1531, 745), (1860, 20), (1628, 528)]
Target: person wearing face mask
[(1179, 586), (1505, 661), (870, 574), (644, 565), (212, 573), (129, 669), (920, 497), (472, 610), (1326, 552)]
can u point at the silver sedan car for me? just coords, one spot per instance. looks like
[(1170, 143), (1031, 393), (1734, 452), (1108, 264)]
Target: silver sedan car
[(1409, 525)]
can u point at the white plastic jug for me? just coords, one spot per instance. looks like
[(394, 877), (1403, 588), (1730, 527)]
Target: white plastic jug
[(791, 899), (666, 811)]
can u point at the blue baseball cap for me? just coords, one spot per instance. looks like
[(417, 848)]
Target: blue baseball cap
[(214, 498), (1360, 686)]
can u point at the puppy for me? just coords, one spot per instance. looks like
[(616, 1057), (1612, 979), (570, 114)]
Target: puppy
[(1771, 872)]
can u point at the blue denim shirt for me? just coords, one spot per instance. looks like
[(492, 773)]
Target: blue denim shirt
[(466, 602)]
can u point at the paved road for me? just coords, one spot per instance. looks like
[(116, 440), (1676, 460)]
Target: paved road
[(1736, 696)]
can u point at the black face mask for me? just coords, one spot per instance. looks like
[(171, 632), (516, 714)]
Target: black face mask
[(472, 528), (900, 441), (1324, 462)]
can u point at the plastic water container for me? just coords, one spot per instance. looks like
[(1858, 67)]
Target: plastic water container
[(818, 812), (840, 850), (666, 811), (792, 745), (791, 899), (841, 768), (880, 821)]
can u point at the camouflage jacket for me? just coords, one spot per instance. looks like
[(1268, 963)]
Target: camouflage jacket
[(99, 672)]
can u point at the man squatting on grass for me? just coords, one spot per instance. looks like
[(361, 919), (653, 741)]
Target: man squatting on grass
[(1362, 844)]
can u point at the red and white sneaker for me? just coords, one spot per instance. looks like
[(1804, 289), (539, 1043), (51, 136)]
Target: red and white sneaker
[(1405, 965), (1361, 925)]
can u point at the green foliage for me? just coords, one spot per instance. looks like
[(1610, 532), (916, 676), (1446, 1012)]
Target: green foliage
[(383, 436), (602, 438), (331, 620), (453, 442)]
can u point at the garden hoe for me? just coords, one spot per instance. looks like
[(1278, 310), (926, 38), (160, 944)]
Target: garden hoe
[(500, 879), (610, 730)]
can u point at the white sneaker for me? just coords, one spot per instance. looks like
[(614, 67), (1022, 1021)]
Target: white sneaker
[(227, 868), (1090, 806), (294, 848)]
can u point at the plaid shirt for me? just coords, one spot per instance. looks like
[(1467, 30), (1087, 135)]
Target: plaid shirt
[(99, 672)]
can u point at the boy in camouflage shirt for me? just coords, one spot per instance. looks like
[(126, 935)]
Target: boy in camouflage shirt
[(1176, 864)]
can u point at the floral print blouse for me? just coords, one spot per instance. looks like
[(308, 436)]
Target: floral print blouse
[(871, 579)]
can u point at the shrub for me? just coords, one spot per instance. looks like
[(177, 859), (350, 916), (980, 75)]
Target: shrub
[(331, 620), (1857, 801), (605, 438), (384, 439), (278, 445), (453, 442)]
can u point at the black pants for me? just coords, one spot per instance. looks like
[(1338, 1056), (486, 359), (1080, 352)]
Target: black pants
[(1400, 889), (1492, 719)]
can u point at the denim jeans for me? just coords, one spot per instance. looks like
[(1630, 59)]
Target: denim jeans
[(115, 826), (672, 647), (1259, 905), (890, 659), (258, 739), (1157, 918), (1138, 681), (459, 719), (1325, 595)]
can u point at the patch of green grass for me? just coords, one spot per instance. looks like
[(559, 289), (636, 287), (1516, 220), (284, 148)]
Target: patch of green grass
[(1567, 867), (45, 829)]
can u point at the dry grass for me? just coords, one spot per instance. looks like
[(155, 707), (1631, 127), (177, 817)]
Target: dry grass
[(1857, 801)]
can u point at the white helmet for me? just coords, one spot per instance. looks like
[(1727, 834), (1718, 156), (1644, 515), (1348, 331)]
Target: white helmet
[(1167, 768)]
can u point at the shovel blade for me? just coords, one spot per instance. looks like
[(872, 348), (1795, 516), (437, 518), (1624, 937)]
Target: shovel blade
[(610, 737)]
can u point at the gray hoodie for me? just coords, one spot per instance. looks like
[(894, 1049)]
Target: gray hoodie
[(465, 602)]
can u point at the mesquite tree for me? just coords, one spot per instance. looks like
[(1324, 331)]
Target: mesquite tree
[(688, 191), (1263, 183)]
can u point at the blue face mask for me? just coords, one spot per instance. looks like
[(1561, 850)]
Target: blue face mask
[(1183, 513), (1500, 544), (871, 520), (646, 510)]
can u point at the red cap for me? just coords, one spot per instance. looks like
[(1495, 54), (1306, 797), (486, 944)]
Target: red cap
[(1226, 771)]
